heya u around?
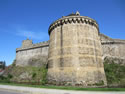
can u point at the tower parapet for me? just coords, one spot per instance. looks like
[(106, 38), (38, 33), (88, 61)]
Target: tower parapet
[(73, 18), (28, 44)]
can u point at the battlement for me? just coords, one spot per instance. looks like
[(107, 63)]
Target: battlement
[(73, 18), (28, 44), (107, 40)]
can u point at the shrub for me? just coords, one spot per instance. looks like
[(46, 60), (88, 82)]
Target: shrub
[(114, 73), (100, 83), (33, 75), (44, 74)]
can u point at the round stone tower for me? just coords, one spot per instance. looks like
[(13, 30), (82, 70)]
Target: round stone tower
[(75, 54)]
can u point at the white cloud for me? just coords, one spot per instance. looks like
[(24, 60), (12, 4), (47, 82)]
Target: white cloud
[(32, 34), (21, 30)]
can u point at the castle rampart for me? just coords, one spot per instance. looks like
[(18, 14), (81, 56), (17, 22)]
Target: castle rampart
[(113, 48), (34, 46), (32, 54)]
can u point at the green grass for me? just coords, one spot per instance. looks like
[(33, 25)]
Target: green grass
[(66, 87)]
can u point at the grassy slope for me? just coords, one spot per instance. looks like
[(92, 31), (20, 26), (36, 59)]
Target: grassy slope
[(25, 74)]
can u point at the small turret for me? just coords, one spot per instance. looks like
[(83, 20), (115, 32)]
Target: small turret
[(77, 13), (27, 43)]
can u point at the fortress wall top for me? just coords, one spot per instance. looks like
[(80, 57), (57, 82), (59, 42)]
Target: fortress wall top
[(27, 44), (107, 40), (73, 18), (30, 54), (113, 48)]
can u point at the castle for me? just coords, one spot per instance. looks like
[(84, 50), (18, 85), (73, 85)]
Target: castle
[(75, 52)]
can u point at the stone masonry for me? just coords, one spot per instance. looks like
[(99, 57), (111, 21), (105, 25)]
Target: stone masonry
[(113, 49), (75, 52), (32, 54)]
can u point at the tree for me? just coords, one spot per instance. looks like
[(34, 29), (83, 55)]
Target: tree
[(4, 65)]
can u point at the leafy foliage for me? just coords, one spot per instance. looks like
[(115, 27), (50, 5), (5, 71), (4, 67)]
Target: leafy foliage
[(6, 79), (115, 73), (100, 83), (44, 74)]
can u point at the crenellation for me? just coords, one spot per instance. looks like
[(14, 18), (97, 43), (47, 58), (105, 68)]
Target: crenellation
[(33, 46), (29, 52), (26, 43), (74, 19), (107, 40)]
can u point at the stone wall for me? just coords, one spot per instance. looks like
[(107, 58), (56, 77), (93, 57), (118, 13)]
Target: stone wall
[(113, 49), (32, 54)]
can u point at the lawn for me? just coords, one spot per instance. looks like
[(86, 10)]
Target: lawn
[(66, 87)]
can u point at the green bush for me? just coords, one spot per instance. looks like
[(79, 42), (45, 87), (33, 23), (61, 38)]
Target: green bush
[(34, 75), (115, 73), (9, 76), (5, 79), (44, 74), (100, 83)]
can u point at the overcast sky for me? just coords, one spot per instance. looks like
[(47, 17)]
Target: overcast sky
[(22, 19)]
